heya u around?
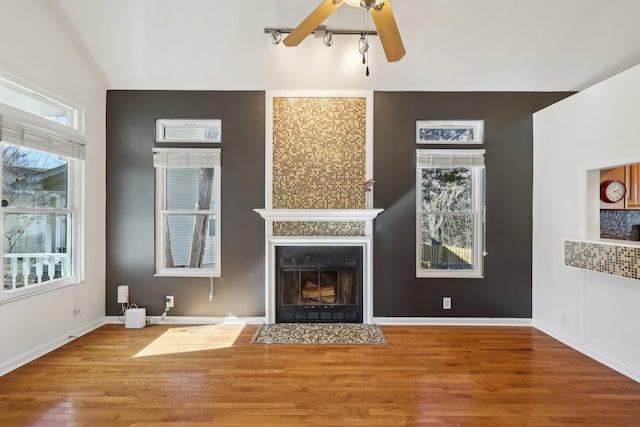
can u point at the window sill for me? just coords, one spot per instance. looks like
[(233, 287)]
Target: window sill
[(18, 294), (448, 274), (199, 273)]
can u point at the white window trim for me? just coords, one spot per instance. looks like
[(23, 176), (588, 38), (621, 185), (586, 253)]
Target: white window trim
[(185, 157), (477, 125), (163, 124), (473, 159), (22, 128), (75, 200), (75, 112)]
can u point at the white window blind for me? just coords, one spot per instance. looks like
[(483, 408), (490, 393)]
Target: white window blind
[(186, 158), (60, 142), (449, 158)]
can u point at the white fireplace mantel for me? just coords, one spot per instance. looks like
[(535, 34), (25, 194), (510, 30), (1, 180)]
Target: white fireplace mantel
[(319, 214)]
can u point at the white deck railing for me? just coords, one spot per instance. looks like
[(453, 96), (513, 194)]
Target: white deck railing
[(37, 260)]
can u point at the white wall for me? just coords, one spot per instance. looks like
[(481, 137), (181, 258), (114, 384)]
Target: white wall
[(593, 312), (37, 48)]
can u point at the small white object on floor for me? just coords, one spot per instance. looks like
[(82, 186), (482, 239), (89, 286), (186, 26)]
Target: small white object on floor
[(135, 318)]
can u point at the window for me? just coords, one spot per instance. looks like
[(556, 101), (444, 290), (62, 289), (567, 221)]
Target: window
[(21, 96), (187, 211), (449, 132), (170, 130), (41, 213), (450, 213)]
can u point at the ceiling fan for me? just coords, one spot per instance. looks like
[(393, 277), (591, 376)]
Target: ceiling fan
[(382, 18)]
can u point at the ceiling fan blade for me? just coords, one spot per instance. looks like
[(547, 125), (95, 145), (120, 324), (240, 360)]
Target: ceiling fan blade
[(311, 22), (388, 31)]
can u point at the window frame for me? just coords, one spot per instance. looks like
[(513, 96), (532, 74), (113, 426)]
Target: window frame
[(74, 112), (476, 125), (25, 129), (162, 211), (463, 159), (163, 124)]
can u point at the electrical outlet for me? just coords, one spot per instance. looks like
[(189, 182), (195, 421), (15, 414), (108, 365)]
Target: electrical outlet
[(123, 294), (446, 303), (170, 301)]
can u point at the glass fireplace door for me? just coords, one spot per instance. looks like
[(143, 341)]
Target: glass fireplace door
[(319, 289)]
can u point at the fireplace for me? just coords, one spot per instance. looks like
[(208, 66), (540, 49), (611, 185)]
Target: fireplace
[(319, 284), (319, 265)]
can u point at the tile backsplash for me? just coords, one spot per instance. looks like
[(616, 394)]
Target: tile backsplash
[(616, 224)]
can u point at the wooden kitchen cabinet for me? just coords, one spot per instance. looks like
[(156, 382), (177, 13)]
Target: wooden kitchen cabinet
[(632, 182)]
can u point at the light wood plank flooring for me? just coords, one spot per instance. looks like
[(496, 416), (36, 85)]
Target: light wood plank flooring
[(212, 375)]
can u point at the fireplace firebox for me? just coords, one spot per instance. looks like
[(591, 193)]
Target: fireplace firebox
[(319, 284)]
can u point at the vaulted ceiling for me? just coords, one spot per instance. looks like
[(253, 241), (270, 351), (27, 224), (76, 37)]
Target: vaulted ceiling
[(452, 45)]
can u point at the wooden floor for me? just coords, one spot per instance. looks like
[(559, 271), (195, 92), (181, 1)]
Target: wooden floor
[(212, 375)]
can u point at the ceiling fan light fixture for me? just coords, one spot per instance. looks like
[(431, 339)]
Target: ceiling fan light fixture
[(363, 45), (365, 4)]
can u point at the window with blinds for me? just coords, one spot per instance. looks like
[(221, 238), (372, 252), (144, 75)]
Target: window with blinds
[(187, 211), (450, 213), (42, 191)]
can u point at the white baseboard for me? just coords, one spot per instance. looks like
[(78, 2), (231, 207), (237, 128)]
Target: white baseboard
[(23, 359), (451, 321), (612, 363), (190, 320)]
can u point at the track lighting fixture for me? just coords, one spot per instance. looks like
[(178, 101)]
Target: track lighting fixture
[(276, 36), (328, 38), (320, 32)]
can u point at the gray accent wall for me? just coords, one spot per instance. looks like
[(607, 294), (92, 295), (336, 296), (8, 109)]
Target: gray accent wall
[(130, 202), (505, 291)]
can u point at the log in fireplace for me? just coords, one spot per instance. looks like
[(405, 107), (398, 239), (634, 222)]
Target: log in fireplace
[(319, 284)]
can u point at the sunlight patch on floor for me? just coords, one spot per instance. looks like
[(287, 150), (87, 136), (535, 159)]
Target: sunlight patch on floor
[(193, 338)]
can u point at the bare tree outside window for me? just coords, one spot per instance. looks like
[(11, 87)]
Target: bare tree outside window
[(447, 224), (201, 222), (188, 220), (36, 216)]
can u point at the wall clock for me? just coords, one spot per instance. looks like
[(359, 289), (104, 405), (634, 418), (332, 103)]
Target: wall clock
[(612, 191)]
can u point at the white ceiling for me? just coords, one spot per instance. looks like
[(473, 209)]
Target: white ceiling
[(452, 45)]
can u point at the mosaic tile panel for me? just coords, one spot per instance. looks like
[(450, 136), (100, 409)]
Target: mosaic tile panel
[(319, 153), (319, 333), (326, 228), (612, 259)]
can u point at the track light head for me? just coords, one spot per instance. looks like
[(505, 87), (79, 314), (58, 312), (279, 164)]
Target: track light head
[(328, 38), (276, 36)]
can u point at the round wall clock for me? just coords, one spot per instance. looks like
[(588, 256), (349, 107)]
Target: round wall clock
[(612, 191)]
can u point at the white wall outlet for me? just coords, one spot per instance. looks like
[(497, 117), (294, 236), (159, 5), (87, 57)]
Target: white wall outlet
[(446, 303), (170, 301), (123, 294)]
